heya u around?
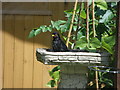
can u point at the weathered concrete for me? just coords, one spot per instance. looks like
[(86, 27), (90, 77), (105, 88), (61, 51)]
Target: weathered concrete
[(74, 65), (71, 57)]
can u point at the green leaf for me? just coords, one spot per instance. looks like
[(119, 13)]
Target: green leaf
[(101, 4), (109, 82), (107, 17), (50, 73), (61, 21), (63, 28), (76, 19), (105, 72), (56, 75), (83, 14), (74, 28), (52, 22), (81, 43), (49, 29), (109, 40), (57, 24), (56, 68), (90, 2), (95, 43), (107, 47), (31, 34), (68, 13), (37, 31), (51, 83)]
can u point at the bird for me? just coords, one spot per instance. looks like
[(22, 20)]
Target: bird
[(57, 44)]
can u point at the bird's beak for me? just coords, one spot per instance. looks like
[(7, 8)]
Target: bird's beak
[(53, 35)]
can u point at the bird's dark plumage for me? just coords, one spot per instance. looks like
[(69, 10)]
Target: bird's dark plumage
[(57, 44)]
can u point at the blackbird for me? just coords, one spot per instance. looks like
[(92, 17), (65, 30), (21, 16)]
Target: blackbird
[(57, 44)]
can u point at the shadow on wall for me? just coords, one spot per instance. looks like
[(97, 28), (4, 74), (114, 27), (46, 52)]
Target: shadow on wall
[(18, 28), (19, 19)]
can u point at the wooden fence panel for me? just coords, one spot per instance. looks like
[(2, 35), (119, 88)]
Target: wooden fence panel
[(46, 68), (28, 53), (20, 68), (19, 51), (3, 51), (37, 74), (9, 51)]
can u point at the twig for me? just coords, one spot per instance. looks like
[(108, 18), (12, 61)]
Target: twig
[(93, 18), (70, 30)]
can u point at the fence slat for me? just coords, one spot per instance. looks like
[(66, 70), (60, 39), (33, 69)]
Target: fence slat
[(37, 74), (28, 54), (19, 42), (9, 51), (48, 39)]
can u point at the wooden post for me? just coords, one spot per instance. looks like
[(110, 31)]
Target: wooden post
[(118, 45), (1, 46)]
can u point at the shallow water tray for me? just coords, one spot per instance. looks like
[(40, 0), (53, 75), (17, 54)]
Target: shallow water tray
[(55, 58)]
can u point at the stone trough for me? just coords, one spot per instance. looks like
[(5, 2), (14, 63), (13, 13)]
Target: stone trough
[(74, 65)]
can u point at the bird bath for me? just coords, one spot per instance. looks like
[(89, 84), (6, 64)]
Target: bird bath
[(74, 65)]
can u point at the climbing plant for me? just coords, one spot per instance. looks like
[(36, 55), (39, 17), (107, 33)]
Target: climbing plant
[(95, 33)]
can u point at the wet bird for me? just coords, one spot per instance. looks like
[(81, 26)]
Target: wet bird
[(57, 44)]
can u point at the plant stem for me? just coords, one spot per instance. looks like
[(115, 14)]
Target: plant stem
[(87, 22), (94, 34), (96, 80), (93, 18), (70, 30)]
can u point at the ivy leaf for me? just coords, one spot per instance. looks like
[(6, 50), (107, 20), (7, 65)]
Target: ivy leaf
[(61, 22), (106, 17), (101, 4), (51, 83), (57, 24), (68, 12), (81, 43), (37, 31), (63, 28), (56, 75), (74, 28), (109, 40), (107, 47), (49, 29), (52, 22), (31, 34), (50, 73), (56, 68), (43, 28), (94, 42), (83, 14)]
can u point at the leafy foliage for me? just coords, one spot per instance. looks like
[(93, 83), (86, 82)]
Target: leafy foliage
[(105, 25), (101, 4), (55, 75)]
